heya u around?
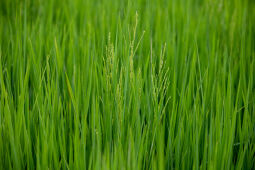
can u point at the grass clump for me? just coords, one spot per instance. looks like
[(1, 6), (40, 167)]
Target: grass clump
[(127, 84)]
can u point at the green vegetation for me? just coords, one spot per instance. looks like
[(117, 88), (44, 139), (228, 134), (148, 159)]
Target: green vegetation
[(138, 84)]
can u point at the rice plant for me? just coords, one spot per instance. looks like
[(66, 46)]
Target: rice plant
[(131, 84)]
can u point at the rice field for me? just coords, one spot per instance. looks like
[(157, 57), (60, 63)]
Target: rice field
[(129, 84)]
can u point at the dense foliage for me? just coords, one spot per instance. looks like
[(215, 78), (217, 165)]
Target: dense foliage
[(138, 84)]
